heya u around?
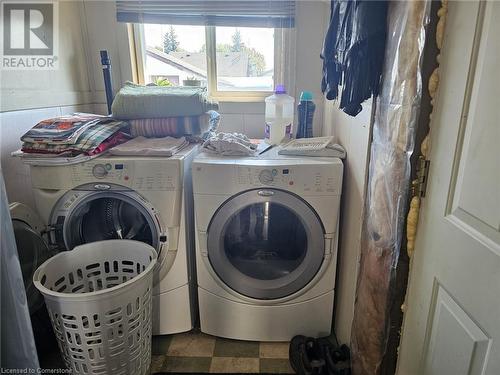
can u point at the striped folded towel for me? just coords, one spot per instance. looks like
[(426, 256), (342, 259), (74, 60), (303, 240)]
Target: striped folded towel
[(175, 126)]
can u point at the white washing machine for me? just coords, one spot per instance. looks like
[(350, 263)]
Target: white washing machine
[(266, 244), (146, 199)]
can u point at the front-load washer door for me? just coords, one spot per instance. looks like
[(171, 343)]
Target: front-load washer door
[(266, 243), (32, 249), (105, 215)]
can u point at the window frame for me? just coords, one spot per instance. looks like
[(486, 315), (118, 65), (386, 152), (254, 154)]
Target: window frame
[(282, 72)]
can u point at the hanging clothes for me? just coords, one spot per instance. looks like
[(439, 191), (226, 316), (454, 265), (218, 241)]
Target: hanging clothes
[(353, 52)]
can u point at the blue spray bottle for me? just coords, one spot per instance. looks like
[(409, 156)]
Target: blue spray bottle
[(305, 109)]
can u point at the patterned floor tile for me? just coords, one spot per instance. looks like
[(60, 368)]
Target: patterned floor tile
[(274, 350), (157, 362), (161, 344), (235, 365), (195, 352), (192, 345), (275, 366), (187, 364), (236, 348)]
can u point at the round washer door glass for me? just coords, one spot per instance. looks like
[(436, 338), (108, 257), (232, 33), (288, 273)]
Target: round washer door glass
[(32, 251), (266, 244), (107, 216)]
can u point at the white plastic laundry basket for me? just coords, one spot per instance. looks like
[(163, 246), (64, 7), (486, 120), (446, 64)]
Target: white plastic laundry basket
[(99, 300)]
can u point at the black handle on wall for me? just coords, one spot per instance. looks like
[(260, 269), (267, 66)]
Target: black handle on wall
[(106, 71)]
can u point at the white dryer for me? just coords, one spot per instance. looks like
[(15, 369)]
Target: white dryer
[(266, 244), (146, 199)]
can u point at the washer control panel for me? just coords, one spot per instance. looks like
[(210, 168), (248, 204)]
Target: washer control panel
[(108, 171), (138, 175)]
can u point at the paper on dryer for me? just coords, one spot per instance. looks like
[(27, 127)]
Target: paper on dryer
[(318, 146)]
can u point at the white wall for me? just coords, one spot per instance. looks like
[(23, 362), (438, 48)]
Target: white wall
[(247, 118), (311, 21), (103, 32), (68, 85), (353, 133)]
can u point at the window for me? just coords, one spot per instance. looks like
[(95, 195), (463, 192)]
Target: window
[(175, 55), (234, 48), (245, 59), (231, 62)]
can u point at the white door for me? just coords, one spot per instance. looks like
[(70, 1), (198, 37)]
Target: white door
[(452, 324)]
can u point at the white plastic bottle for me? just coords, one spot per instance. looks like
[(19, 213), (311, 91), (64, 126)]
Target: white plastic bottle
[(279, 116)]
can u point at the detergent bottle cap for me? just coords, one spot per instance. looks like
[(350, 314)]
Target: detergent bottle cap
[(306, 96), (280, 89)]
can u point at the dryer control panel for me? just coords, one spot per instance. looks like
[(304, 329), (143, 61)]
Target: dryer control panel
[(296, 178)]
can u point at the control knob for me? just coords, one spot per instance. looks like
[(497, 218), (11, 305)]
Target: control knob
[(99, 171)]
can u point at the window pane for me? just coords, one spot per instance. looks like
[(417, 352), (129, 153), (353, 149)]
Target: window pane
[(175, 55), (245, 59)]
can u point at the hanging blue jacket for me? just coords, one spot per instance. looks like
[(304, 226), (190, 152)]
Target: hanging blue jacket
[(353, 52)]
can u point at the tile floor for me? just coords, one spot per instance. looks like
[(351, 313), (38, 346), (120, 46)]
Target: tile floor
[(196, 352)]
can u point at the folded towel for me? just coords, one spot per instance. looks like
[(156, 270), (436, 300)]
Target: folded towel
[(142, 146), (175, 126), (229, 144), (146, 102), (86, 142), (69, 157), (63, 129)]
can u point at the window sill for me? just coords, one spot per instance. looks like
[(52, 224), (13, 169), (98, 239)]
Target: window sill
[(239, 99), (240, 96)]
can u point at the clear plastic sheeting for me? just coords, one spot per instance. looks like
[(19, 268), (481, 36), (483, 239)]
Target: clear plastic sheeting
[(393, 142)]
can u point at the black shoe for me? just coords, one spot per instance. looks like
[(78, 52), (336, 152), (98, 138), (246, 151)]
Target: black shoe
[(337, 359), (305, 356)]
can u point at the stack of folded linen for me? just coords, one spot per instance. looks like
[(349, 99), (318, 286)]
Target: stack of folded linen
[(72, 137), (142, 146), (175, 126), (159, 111)]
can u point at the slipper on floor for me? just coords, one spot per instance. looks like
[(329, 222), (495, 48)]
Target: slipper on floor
[(305, 356), (337, 358)]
